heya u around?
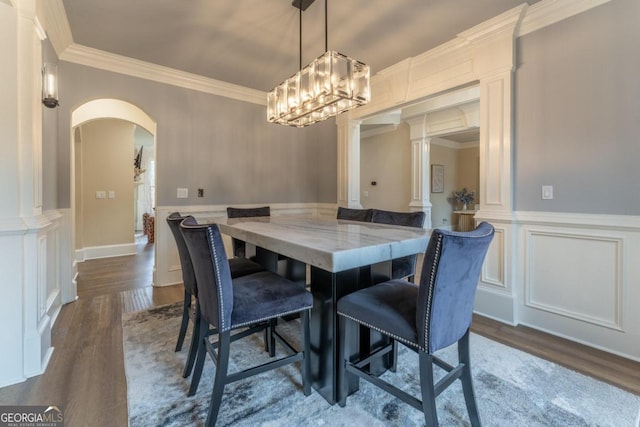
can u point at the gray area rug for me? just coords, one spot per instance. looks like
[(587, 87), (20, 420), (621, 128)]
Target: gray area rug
[(513, 388)]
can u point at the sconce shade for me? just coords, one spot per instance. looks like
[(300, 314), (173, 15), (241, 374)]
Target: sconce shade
[(331, 84), (50, 85)]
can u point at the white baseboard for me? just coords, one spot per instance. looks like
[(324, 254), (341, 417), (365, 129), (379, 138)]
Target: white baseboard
[(495, 305), (107, 251)]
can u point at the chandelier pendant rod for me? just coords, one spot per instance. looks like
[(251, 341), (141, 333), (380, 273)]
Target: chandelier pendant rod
[(330, 85), (326, 26)]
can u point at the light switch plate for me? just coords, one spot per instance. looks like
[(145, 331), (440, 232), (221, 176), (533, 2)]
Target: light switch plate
[(183, 193), (112, 194), (100, 195), (547, 192)]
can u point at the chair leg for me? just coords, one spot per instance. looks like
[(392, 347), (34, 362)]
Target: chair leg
[(202, 352), (342, 361), (195, 342), (185, 319), (306, 362), (348, 351), (266, 340), (467, 382), (269, 339), (426, 388), (222, 364), (394, 356)]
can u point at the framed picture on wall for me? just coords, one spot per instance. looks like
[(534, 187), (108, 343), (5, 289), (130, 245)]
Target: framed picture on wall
[(437, 178)]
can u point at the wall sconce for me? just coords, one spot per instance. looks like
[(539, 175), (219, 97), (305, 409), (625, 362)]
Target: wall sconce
[(50, 85)]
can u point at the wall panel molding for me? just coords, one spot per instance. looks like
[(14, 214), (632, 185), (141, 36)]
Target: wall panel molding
[(589, 290), (577, 278), (570, 219)]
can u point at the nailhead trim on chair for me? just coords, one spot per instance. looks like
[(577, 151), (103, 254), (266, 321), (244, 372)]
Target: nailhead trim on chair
[(432, 279), (217, 268), (395, 337)]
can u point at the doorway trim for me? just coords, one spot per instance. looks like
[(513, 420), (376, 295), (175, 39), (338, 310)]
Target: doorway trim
[(104, 108), (483, 55)]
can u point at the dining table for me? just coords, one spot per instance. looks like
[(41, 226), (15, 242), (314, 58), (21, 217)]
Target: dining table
[(342, 256)]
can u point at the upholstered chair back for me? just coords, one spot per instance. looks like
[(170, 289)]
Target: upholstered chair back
[(188, 275), (248, 212), (409, 219), (239, 247), (448, 283), (405, 266), (212, 273), (363, 215)]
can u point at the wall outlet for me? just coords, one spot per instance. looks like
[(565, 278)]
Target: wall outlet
[(183, 193), (100, 195), (200, 192), (112, 194), (366, 194), (547, 192)]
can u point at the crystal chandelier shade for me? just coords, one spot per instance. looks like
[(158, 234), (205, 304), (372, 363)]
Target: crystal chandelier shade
[(331, 84)]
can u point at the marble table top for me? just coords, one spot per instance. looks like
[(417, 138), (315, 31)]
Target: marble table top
[(330, 244)]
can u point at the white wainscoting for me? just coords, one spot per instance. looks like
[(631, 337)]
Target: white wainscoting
[(580, 278), (168, 272), (572, 275), (496, 295), (31, 289)]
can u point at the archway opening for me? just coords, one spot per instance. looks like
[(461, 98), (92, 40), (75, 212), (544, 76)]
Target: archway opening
[(105, 139)]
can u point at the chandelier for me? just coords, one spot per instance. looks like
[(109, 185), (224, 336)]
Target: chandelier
[(331, 84)]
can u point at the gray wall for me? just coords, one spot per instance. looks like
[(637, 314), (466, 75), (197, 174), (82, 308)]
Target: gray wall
[(577, 113), (211, 142), (49, 142)]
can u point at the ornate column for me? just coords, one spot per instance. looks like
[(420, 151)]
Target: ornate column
[(420, 165), (348, 162), (493, 55)]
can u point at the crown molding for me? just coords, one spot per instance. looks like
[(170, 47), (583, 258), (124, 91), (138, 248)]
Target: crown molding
[(90, 57), (537, 16), (57, 26), (378, 131), (54, 20), (548, 12), (505, 23), (441, 141)]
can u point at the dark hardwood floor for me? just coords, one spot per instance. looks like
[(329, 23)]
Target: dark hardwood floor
[(86, 373)]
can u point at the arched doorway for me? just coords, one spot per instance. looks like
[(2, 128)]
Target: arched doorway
[(91, 112)]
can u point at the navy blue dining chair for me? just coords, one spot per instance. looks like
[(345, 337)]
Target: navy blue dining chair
[(190, 308), (362, 215), (404, 267), (424, 318), (290, 268), (239, 247), (246, 305)]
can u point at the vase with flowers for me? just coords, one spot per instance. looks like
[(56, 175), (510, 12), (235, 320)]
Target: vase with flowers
[(463, 197)]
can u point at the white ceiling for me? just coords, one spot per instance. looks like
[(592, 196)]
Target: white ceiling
[(254, 43)]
